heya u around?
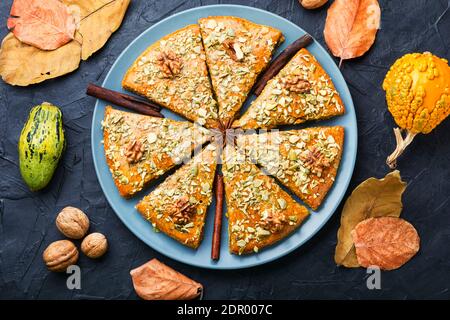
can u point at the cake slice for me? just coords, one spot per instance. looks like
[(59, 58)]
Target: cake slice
[(178, 206), (237, 50), (140, 148), (259, 213), (173, 73), (301, 91), (305, 161)]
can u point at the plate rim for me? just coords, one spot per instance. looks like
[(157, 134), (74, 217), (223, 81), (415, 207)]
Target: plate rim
[(274, 257)]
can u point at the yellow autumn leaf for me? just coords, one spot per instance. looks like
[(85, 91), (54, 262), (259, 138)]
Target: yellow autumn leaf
[(372, 198), (82, 8), (96, 20), (22, 64)]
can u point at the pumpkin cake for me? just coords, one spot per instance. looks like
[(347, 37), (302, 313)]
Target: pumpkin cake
[(237, 50), (140, 148), (172, 72), (178, 206), (301, 91), (305, 161), (260, 213)]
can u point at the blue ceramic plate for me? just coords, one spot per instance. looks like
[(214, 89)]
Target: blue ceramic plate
[(201, 257)]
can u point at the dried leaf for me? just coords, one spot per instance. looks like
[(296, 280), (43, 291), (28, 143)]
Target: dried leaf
[(80, 9), (386, 242), (156, 281), (96, 20), (22, 64), (97, 26), (45, 24), (351, 27), (372, 198)]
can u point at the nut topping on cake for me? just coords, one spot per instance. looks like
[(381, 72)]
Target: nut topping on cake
[(169, 63)]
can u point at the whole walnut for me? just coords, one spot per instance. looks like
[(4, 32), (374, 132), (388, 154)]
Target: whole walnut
[(72, 222), (94, 245), (59, 255), (312, 4)]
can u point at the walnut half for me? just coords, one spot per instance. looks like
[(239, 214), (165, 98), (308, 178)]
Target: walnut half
[(273, 221), (296, 84), (134, 151), (182, 211), (169, 63), (315, 160)]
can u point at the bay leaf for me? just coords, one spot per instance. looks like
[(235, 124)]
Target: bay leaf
[(22, 64), (44, 24), (351, 27), (372, 198), (156, 281)]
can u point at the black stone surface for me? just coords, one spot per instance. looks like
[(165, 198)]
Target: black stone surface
[(27, 218)]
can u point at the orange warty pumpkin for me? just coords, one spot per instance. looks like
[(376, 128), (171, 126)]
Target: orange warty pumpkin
[(418, 96)]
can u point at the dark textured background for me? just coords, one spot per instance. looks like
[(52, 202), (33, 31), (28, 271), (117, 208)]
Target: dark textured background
[(27, 218)]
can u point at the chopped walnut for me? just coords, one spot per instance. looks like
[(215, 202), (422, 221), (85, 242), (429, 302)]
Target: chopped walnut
[(134, 152), (169, 63), (182, 211), (296, 84), (315, 160), (274, 221), (233, 50)]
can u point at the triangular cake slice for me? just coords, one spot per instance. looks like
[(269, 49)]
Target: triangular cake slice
[(237, 50), (259, 213), (301, 91), (178, 206), (140, 148), (173, 73), (305, 161)]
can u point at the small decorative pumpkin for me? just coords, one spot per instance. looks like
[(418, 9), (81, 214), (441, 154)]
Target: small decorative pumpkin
[(418, 97)]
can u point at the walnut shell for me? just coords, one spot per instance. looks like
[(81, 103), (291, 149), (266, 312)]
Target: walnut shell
[(59, 255), (312, 4), (72, 222), (94, 245)]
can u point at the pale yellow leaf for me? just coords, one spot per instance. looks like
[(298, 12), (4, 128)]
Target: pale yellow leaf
[(372, 198), (22, 64), (83, 8), (96, 27)]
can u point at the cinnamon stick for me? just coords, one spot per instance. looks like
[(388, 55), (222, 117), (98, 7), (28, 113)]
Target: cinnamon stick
[(280, 61), (124, 100), (215, 248)]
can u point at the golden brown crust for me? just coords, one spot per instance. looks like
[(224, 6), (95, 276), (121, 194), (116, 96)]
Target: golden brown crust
[(306, 161), (237, 50), (164, 143), (301, 91), (173, 73), (178, 206), (260, 213)]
